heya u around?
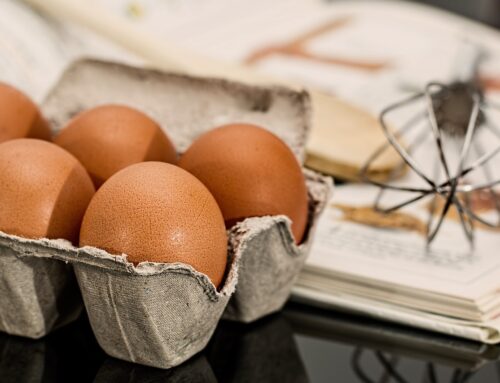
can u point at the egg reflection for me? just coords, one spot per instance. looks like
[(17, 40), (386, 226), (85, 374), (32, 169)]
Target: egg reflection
[(264, 351), (195, 369)]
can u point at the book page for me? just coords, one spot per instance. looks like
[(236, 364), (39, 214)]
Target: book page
[(35, 49), (397, 254), (367, 53)]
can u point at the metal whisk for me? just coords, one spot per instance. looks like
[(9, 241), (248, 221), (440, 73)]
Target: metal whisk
[(453, 113)]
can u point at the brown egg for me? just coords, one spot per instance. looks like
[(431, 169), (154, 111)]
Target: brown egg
[(158, 212), (109, 138), (44, 190), (250, 172), (20, 117)]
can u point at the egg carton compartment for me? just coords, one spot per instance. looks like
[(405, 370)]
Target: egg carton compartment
[(154, 314), (270, 260), (158, 315), (37, 294)]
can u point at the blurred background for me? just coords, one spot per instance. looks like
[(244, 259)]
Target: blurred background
[(365, 54), (486, 11)]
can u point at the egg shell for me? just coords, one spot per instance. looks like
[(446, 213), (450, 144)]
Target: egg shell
[(251, 173), (44, 190), (20, 117), (157, 212), (109, 138)]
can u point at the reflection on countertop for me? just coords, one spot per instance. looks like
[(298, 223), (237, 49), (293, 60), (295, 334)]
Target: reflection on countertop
[(197, 369), (70, 354), (298, 345), (264, 351), (371, 351)]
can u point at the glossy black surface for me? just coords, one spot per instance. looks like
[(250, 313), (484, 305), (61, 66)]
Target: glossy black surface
[(344, 348), (298, 345)]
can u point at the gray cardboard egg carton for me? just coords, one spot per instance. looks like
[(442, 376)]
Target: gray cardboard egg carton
[(161, 314), (153, 314), (37, 294)]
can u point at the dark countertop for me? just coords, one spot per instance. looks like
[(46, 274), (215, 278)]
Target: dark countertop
[(299, 344)]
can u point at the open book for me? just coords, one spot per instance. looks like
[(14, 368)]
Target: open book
[(387, 273)]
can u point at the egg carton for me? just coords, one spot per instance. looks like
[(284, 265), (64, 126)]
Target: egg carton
[(37, 294), (153, 314), (162, 314)]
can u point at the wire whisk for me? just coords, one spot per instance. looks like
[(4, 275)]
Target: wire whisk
[(452, 113)]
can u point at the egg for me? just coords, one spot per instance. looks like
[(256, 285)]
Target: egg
[(20, 117), (250, 172), (157, 212), (109, 138), (44, 190)]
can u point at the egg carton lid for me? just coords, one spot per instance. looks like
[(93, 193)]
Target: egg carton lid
[(166, 97)]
